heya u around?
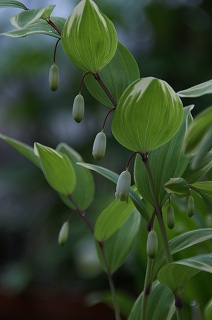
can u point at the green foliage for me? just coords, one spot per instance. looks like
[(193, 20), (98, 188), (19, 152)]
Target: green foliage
[(15, 4)]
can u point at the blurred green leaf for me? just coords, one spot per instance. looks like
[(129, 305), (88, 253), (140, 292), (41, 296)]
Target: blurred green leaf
[(89, 38), (149, 113), (39, 27), (22, 148), (57, 169), (197, 130), (15, 4), (166, 162), (117, 247), (197, 91), (208, 311), (120, 72), (160, 304), (112, 176), (112, 218), (178, 186), (27, 17), (83, 193)]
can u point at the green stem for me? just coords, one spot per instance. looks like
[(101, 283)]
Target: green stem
[(179, 306), (97, 77), (147, 288), (158, 209)]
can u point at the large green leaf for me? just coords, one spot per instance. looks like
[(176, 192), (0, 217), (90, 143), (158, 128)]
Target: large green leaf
[(89, 38), (39, 27), (197, 91), (160, 304), (112, 176), (183, 242), (28, 17), (149, 113), (112, 218), (57, 169), (116, 75), (166, 162), (14, 4), (83, 193), (192, 175), (118, 246), (197, 131), (204, 189), (22, 148)]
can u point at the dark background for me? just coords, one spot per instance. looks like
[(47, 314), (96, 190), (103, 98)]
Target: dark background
[(171, 40)]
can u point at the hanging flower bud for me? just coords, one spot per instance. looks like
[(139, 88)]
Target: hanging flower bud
[(78, 108), (123, 186), (99, 145), (152, 244), (170, 217), (63, 234), (54, 77), (191, 206)]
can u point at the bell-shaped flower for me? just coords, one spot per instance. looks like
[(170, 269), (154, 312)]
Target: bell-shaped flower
[(99, 145), (123, 186), (78, 108)]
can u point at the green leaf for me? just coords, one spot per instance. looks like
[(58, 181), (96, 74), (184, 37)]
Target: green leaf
[(112, 176), (166, 162), (83, 193), (160, 304), (197, 131), (39, 27), (22, 148), (89, 38), (192, 175), (208, 311), (181, 243), (204, 189), (14, 4), (57, 169), (197, 91), (178, 186), (27, 17), (116, 75), (149, 113), (175, 276), (118, 246), (112, 218)]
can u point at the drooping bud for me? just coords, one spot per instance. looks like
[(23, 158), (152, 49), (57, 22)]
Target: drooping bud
[(54, 77), (123, 186), (99, 145), (78, 108), (152, 244), (170, 217), (191, 206), (63, 234)]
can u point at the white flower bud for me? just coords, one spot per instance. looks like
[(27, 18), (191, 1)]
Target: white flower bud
[(54, 77), (63, 234), (99, 146), (78, 108), (152, 244), (123, 186)]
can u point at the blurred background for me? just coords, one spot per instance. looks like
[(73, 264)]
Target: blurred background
[(171, 40)]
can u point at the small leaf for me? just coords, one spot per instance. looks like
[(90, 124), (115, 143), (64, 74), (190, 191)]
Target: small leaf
[(117, 75), (57, 169), (28, 17), (39, 27), (118, 246), (160, 304), (111, 219), (197, 130), (15, 4), (204, 189), (89, 38), (112, 176), (84, 190), (205, 146), (178, 186), (197, 91), (149, 113), (23, 149)]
